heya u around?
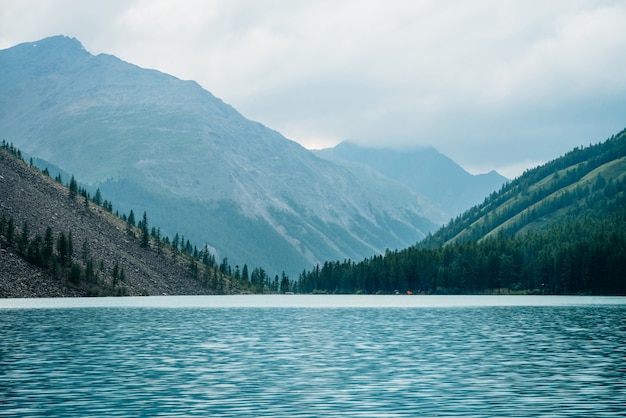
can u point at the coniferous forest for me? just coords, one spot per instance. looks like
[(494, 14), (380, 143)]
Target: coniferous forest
[(557, 229)]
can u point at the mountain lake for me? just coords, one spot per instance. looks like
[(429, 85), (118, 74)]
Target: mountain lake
[(313, 356)]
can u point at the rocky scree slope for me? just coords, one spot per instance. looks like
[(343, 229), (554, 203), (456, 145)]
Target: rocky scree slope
[(26, 195)]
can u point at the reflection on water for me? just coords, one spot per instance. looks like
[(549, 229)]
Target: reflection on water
[(309, 362)]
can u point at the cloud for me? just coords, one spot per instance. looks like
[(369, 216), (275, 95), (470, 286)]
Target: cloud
[(490, 83)]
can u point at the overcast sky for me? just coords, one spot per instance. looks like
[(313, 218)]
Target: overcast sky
[(496, 84)]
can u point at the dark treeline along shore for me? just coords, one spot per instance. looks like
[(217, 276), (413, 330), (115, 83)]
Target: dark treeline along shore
[(560, 228)]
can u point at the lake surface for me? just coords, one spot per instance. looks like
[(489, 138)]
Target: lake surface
[(313, 356)]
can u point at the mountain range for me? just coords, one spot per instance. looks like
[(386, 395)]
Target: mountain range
[(152, 142), (422, 169), (559, 228)]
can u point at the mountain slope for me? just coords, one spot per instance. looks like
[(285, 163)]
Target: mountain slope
[(424, 170), (152, 142), (558, 229), (27, 197), (584, 180)]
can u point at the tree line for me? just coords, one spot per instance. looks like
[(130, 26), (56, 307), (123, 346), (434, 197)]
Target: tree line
[(57, 253), (584, 253), (583, 256), (582, 250)]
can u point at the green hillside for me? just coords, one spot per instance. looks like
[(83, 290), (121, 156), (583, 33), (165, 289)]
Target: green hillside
[(582, 182), (559, 228)]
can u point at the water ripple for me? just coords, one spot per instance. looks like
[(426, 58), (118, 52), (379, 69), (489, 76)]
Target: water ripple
[(305, 362)]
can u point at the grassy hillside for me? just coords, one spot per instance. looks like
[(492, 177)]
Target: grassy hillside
[(559, 228), (585, 181), (422, 169)]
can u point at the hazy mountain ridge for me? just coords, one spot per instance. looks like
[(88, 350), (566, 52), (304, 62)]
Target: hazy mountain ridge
[(424, 170), (153, 142)]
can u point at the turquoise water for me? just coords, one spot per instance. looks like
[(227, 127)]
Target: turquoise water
[(298, 356)]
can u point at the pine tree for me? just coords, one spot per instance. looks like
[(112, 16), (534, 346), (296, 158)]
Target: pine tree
[(193, 267), (244, 273), (89, 270), (158, 241), (3, 224), (145, 235), (70, 245), (62, 249), (10, 231), (284, 283), (130, 223), (75, 273), (214, 280), (48, 246), (175, 242), (224, 266), (73, 188), (115, 273), (22, 244), (85, 251), (97, 197), (34, 252)]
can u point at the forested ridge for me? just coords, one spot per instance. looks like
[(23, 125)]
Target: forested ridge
[(584, 179), (57, 239), (559, 229)]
